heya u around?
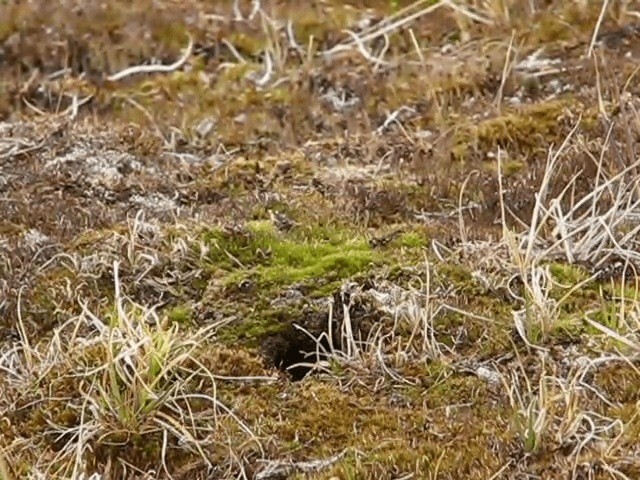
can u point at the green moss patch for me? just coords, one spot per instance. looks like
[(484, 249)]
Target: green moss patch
[(273, 258)]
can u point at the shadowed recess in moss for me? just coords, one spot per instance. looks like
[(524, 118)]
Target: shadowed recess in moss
[(270, 257)]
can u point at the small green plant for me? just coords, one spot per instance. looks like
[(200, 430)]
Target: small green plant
[(530, 423), (531, 405), (180, 314)]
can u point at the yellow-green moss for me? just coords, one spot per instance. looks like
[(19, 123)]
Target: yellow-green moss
[(526, 129), (181, 314), (274, 258), (413, 240), (568, 275)]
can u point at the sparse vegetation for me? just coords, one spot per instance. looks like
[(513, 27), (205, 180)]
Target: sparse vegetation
[(320, 240)]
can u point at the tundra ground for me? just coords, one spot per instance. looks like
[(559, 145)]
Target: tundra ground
[(320, 240)]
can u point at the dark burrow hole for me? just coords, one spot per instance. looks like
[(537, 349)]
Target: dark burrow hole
[(292, 346)]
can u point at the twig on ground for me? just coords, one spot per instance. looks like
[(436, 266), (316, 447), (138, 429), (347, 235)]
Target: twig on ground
[(138, 69), (280, 469)]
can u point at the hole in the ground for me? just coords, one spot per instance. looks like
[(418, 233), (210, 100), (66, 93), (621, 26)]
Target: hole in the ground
[(286, 350)]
